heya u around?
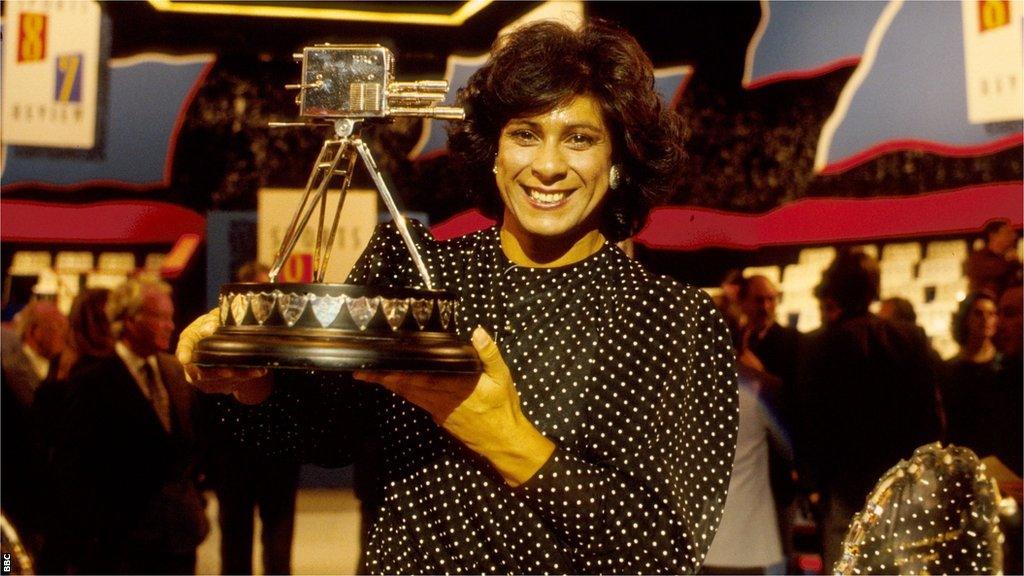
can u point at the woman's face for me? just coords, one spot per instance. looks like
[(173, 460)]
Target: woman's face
[(981, 322), (552, 170)]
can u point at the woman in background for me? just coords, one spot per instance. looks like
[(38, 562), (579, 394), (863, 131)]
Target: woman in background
[(975, 366)]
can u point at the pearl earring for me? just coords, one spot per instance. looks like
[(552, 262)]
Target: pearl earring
[(614, 177), (495, 169)]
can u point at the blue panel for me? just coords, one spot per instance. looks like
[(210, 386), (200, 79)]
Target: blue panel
[(916, 87), (804, 36), (142, 109), (230, 242)]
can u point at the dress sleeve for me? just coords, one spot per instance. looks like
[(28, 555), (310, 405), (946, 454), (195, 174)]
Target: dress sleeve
[(644, 491)]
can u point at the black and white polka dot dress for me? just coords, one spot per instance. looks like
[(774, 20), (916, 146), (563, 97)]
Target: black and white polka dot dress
[(631, 375)]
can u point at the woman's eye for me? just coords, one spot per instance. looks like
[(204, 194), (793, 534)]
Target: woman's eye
[(581, 140), (522, 136)]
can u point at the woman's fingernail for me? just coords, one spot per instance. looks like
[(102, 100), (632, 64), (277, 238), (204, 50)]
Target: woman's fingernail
[(480, 337)]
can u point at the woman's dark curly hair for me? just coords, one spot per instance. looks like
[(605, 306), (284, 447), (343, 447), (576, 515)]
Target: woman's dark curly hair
[(543, 65), (959, 323)]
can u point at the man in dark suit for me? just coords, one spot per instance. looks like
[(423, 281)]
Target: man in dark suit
[(868, 393), (128, 462), (28, 353), (764, 346)]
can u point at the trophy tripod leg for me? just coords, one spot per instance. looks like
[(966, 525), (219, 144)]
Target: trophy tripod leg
[(389, 201), (323, 250), (324, 170)]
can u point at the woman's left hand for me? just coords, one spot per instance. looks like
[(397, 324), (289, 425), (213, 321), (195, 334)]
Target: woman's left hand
[(482, 411)]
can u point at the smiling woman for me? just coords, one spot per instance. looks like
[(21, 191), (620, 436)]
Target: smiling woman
[(600, 436)]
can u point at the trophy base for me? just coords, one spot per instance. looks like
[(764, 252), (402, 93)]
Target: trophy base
[(320, 350), (336, 327)]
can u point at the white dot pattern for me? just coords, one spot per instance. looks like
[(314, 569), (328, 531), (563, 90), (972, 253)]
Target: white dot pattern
[(631, 375)]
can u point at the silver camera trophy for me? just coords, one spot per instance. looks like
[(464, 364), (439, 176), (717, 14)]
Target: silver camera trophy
[(324, 326)]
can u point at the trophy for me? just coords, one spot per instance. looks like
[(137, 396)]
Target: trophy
[(325, 326)]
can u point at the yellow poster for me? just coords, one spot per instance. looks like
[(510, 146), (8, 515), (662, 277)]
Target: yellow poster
[(993, 58), (358, 219)]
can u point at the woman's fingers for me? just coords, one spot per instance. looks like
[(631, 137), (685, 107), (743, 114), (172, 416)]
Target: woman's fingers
[(200, 328), (223, 380), (438, 394)]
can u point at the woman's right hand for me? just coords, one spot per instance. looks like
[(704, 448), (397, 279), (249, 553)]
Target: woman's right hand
[(248, 385)]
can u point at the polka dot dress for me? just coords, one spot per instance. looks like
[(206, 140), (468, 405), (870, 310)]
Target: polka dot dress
[(629, 374)]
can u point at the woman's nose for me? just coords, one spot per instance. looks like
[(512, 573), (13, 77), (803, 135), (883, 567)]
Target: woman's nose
[(549, 164)]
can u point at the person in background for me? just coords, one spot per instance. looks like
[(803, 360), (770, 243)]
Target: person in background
[(868, 388), (1002, 440), (768, 352), (748, 539), (126, 462), (974, 367), (246, 480), (764, 346), (728, 301), (90, 340), (253, 271), (1010, 342), (897, 309), (996, 265), (989, 419), (42, 333)]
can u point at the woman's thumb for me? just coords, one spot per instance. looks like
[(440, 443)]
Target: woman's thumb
[(490, 355)]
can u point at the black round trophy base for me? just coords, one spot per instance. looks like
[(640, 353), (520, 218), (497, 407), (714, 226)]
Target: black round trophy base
[(336, 327), (321, 350)]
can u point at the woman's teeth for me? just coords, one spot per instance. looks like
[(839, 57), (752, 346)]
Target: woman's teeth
[(546, 197)]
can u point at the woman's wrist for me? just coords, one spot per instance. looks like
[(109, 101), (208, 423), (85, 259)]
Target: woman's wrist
[(522, 451)]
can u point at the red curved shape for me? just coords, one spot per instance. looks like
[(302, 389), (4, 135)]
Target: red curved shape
[(832, 220), (924, 146), (812, 221), (129, 222), (828, 68)]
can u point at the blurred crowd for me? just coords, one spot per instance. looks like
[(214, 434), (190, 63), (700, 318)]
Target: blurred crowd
[(830, 411), (108, 451)]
